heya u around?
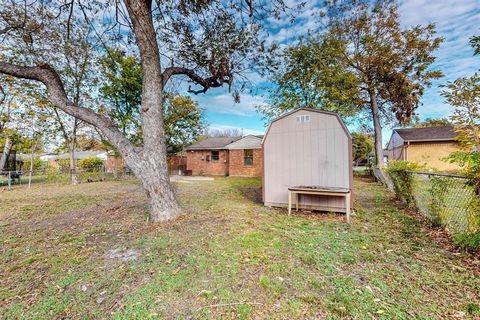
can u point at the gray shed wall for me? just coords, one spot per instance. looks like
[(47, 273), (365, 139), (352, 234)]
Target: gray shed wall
[(315, 153)]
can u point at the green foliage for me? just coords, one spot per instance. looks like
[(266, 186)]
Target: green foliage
[(183, 120), (20, 142), (122, 88), (475, 43), (467, 240), (90, 163), (432, 122), (362, 145), (464, 95), (448, 201), (37, 164), (307, 76), (402, 180), (63, 165)]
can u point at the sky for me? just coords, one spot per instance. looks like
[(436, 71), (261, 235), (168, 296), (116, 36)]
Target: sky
[(456, 22)]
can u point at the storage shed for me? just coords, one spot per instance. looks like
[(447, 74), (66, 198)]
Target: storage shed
[(308, 149)]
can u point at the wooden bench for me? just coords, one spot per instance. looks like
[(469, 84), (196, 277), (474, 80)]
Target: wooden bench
[(320, 191)]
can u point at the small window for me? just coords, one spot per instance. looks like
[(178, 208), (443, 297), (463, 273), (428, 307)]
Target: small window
[(303, 118), (248, 157), (215, 156)]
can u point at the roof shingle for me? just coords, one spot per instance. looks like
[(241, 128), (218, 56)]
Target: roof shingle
[(212, 143), (427, 134)]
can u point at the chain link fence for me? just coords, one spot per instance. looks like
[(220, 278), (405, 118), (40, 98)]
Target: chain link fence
[(61, 175), (447, 200)]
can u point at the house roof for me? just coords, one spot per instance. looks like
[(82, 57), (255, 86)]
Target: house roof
[(444, 133), (212, 143), (78, 155), (247, 142)]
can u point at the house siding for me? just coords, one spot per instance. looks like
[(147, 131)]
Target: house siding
[(237, 167), (432, 153), (197, 163)]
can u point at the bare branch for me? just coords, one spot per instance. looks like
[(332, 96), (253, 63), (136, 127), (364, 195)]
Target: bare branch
[(206, 83)]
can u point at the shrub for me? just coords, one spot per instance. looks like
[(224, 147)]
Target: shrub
[(402, 180), (63, 165), (90, 163), (38, 164)]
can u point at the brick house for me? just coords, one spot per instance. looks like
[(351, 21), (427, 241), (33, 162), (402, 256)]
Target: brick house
[(246, 157), (226, 156), (428, 146)]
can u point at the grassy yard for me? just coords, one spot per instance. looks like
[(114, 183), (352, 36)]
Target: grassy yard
[(87, 252)]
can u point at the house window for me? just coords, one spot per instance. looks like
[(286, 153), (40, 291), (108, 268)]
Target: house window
[(248, 157), (303, 118), (215, 156)]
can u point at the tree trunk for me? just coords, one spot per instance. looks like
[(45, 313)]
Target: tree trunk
[(6, 151), (154, 173), (73, 172), (30, 171), (378, 130), (160, 193), (379, 174)]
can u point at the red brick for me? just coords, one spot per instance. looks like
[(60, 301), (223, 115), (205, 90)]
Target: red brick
[(237, 168)]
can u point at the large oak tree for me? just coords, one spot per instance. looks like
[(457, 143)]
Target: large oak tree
[(208, 42)]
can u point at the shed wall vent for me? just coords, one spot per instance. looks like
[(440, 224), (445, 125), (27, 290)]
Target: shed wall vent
[(303, 118)]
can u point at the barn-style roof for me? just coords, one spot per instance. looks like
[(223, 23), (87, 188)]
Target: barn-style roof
[(443, 133), (344, 127), (212, 143)]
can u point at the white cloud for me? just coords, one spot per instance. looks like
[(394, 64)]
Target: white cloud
[(224, 103)]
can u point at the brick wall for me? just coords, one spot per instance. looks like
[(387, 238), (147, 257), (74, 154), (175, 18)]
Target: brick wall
[(237, 167), (197, 162)]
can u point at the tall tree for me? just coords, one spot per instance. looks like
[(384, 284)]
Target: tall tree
[(362, 145), (390, 64), (309, 75), (208, 42)]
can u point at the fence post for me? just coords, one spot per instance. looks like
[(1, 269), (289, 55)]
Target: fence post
[(9, 180)]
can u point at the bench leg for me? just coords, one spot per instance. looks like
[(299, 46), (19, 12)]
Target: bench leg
[(347, 206), (289, 202)]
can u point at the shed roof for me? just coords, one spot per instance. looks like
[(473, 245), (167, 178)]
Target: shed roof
[(247, 142), (344, 127), (444, 133), (212, 143)]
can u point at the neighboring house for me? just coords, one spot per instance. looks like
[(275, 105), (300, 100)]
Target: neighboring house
[(246, 157), (424, 145), (311, 149), (226, 156), (209, 156)]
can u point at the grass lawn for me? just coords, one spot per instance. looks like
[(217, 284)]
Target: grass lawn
[(87, 252)]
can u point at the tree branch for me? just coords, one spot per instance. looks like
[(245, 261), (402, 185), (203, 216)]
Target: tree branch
[(206, 83), (57, 96)]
